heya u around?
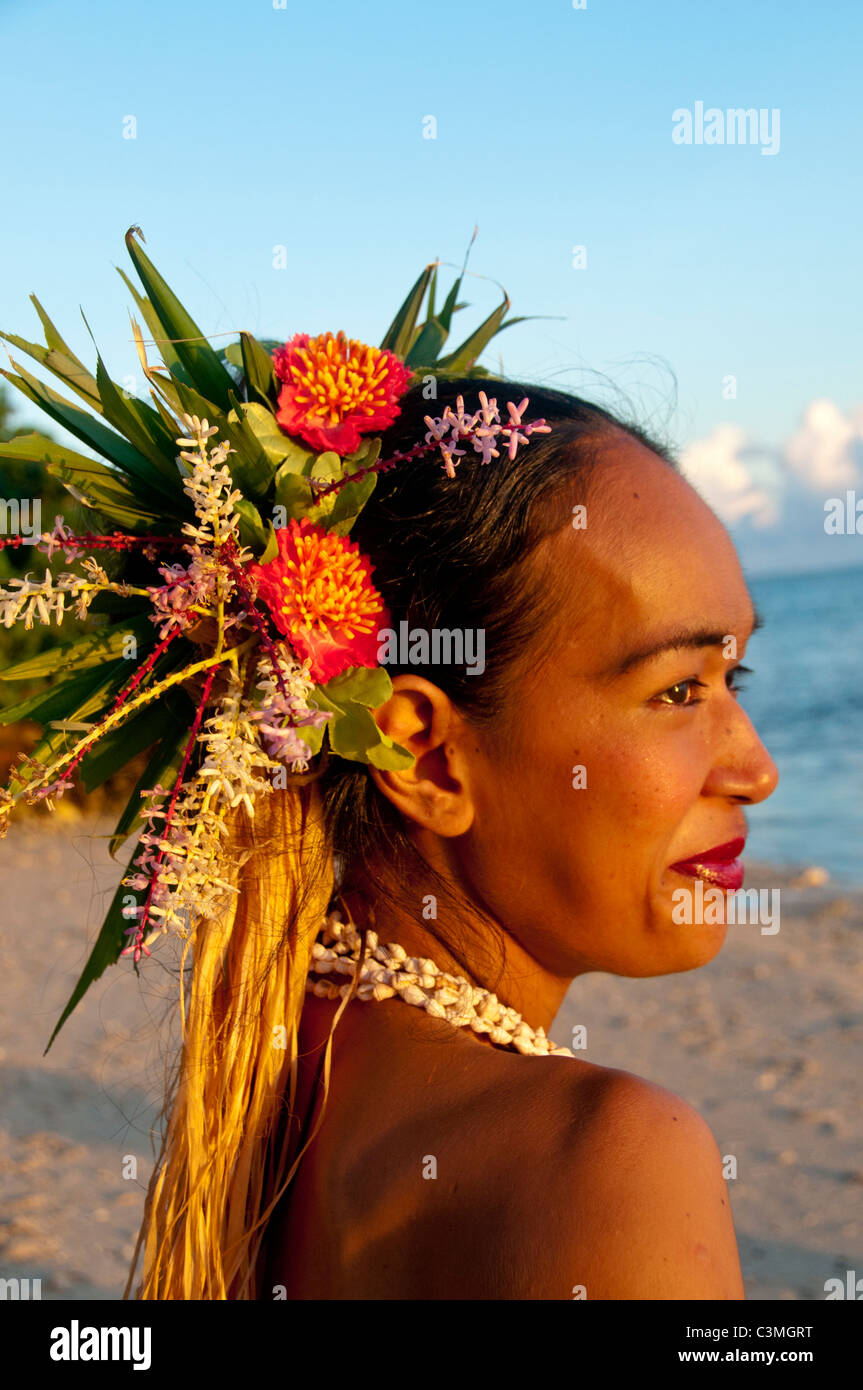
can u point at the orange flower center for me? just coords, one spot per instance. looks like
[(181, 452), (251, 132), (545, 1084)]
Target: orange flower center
[(328, 587), (339, 376)]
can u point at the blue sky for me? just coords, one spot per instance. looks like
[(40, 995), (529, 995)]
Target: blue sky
[(302, 126)]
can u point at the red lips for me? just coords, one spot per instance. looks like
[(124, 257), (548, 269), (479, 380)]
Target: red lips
[(720, 865)]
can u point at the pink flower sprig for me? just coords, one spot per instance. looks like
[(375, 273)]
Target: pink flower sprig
[(185, 588), (152, 863), (61, 538), (284, 710), (484, 428)]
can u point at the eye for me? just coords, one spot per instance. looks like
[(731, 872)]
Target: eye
[(736, 678), (677, 694)]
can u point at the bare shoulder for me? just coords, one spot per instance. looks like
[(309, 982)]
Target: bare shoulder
[(646, 1212)]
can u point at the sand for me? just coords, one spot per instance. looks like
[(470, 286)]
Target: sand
[(765, 1042)]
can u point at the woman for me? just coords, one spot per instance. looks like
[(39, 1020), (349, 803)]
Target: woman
[(560, 800)]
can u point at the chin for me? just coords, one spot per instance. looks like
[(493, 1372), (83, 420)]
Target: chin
[(690, 946), (675, 946)]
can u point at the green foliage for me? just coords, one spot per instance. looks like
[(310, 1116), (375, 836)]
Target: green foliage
[(352, 731), (128, 478)]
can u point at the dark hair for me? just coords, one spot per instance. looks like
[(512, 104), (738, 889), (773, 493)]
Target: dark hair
[(452, 553)]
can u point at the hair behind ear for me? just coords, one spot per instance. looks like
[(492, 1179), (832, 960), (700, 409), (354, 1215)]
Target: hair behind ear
[(230, 1146)]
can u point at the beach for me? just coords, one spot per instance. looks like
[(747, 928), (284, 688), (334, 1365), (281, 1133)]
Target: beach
[(764, 1042)]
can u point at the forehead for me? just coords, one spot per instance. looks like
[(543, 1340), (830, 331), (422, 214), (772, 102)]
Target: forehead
[(652, 558)]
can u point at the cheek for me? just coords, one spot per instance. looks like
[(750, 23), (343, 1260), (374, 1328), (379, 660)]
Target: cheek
[(640, 783), (621, 783)]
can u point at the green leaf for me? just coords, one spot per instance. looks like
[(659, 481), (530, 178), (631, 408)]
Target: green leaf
[(249, 466), (141, 425), (100, 487), (68, 369), (464, 357), (53, 338), (326, 467), (430, 313), (364, 456), (253, 532), (103, 487), (151, 724), (258, 367), (250, 469), (355, 735), (390, 756), (161, 770), (350, 501), (271, 549), (352, 731), (294, 493), (278, 447), (196, 354), (313, 735), (90, 431), (398, 336), (109, 943), (427, 345), (367, 685), (166, 350), (55, 702), (54, 742), (451, 306), (84, 652)]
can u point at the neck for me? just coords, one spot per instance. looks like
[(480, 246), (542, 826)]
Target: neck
[(465, 944)]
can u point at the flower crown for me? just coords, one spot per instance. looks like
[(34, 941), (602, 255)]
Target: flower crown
[(242, 631)]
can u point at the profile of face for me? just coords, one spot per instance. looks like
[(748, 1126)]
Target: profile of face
[(623, 750)]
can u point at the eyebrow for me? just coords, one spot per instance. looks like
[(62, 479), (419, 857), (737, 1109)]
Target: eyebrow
[(676, 641)]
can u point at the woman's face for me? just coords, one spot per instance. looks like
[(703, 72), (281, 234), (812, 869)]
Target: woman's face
[(654, 617)]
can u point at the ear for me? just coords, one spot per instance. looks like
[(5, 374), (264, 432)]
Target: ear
[(435, 791)]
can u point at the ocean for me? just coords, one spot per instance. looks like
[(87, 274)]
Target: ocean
[(805, 698)]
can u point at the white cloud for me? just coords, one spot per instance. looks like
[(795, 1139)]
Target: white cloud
[(826, 450), (748, 482), (724, 468)]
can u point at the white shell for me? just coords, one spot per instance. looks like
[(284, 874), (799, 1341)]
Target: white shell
[(388, 970), (412, 995), (447, 997)]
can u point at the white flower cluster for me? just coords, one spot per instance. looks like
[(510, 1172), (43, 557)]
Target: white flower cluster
[(210, 487), (284, 709), (234, 755), (46, 598), (179, 863)]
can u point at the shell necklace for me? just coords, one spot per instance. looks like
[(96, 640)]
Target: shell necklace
[(388, 971)]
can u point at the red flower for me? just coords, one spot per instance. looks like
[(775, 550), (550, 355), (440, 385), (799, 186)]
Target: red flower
[(319, 593), (337, 389)]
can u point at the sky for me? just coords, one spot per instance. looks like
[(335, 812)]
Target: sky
[(294, 167)]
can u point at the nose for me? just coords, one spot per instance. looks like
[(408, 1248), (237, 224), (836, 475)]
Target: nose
[(742, 770)]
